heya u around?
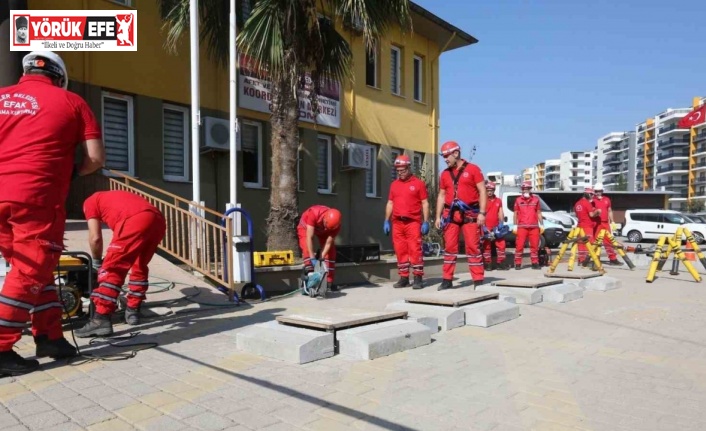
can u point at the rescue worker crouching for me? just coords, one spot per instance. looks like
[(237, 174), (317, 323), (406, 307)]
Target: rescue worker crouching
[(324, 223), (407, 206), (138, 228), (586, 213), (40, 128), (494, 224), (528, 219), (461, 207)]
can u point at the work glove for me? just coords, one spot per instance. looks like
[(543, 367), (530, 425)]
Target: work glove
[(425, 228), (386, 227), (313, 263), (97, 263)]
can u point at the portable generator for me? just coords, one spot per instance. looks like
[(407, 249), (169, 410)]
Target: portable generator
[(75, 277)]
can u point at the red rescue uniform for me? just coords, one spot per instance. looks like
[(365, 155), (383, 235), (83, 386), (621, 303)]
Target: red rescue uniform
[(583, 208), (527, 227), (603, 223), (407, 196), (138, 228), (40, 127), (492, 220), (313, 216), (467, 190)]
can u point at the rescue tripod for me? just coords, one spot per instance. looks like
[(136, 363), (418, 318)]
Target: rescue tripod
[(672, 245), (619, 248), (576, 236)]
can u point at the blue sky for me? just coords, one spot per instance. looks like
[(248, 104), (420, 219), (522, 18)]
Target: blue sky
[(549, 76)]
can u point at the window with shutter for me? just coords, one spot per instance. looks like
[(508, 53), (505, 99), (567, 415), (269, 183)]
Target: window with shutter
[(251, 145), (418, 78), (175, 143), (395, 70), (393, 155), (371, 68), (371, 174), (118, 134), (417, 164), (323, 164)]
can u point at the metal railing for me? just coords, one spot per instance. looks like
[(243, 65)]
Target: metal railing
[(194, 234)]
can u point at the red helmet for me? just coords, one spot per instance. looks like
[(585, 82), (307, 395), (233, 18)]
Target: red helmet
[(588, 190), (402, 161), (332, 219), (526, 185), (449, 147), (490, 185)]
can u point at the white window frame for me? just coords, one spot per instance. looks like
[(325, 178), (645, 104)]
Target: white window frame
[(417, 166), (394, 153), (373, 169), (187, 141), (130, 126), (396, 90), (258, 184), (329, 164), (376, 62), (418, 69)]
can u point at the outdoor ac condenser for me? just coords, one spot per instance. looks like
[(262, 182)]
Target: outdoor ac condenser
[(357, 156)]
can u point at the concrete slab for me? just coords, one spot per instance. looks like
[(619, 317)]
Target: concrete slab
[(522, 295), (601, 284), (508, 298), (489, 313), (382, 339), (574, 275), (430, 322), (448, 317), (339, 318), (451, 298), (561, 293), (534, 283), (286, 343)]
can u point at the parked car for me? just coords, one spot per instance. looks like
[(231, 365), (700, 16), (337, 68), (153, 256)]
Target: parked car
[(653, 223), (696, 218), (556, 225)]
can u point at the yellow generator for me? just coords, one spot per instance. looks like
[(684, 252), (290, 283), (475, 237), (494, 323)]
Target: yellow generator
[(75, 278)]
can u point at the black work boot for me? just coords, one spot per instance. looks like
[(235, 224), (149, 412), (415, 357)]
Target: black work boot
[(477, 283), (615, 262), (503, 266), (445, 284), (518, 266), (99, 326), (132, 316), (536, 266), (333, 287), (402, 282), (418, 283), (12, 364), (55, 349)]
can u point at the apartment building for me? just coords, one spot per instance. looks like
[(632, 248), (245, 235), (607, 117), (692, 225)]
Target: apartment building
[(575, 170), (143, 101), (615, 161), (552, 175)]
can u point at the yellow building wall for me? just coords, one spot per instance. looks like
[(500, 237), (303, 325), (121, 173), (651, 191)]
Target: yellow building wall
[(370, 114)]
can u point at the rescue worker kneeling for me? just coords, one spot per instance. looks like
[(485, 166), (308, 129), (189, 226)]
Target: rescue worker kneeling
[(462, 198), (406, 204), (138, 228)]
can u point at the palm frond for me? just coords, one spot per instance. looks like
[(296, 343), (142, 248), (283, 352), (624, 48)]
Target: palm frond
[(377, 17), (262, 38)]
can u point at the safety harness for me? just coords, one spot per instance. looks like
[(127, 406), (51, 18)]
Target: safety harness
[(457, 204)]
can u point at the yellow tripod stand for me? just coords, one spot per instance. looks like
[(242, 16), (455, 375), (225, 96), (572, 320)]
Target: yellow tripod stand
[(598, 242), (667, 246), (576, 236)]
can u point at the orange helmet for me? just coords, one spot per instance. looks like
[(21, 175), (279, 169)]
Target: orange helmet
[(402, 161), (490, 185), (449, 147), (332, 219)]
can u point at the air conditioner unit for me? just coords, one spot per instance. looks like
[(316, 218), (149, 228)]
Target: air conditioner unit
[(217, 135), (357, 156)]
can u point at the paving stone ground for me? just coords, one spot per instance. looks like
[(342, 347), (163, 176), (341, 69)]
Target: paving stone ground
[(627, 359)]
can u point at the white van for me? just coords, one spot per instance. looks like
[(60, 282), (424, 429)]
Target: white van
[(651, 224)]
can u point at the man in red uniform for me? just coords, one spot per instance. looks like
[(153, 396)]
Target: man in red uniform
[(527, 218), (324, 223), (407, 203), (493, 219), (604, 221), (138, 228), (463, 199), (41, 124), (585, 212)]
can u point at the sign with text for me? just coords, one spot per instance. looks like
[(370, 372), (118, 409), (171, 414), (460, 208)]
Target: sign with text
[(256, 93), (73, 30)]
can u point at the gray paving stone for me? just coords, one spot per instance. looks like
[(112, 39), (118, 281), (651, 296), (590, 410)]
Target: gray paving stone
[(22, 399), (116, 401), (490, 313), (83, 383), (161, 423), (56, 392), (287, 343), (75, 403), (382, 339), (30, 408), (253, 419), (448, 317), (44, 419), (15, 427), (91, 415), (9, 419), (601, 284), (188, 410), (430, 322), (560, 293), (522, 295), (66, 426), (209, 421)]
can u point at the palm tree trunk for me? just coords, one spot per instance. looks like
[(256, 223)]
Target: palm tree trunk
[(284, 213)]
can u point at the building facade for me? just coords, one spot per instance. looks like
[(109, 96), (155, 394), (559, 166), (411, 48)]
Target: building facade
[(616, 161), (552, 174), (575, 170), (142, 100)]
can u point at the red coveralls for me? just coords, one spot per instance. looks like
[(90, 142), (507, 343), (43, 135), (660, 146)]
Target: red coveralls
[(582, 208), (602, 222), (407, 197), (40, 127), (313, 216), (138, 228), (491, 222), (527, 226), (467, 191)]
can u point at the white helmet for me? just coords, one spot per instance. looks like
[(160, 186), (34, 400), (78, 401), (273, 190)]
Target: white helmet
[(598, 186), (48, 62)]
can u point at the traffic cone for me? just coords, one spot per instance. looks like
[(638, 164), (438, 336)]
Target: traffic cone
[(690, 255)]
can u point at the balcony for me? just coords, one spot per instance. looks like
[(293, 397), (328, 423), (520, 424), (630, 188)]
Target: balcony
[(673, 168), (700, 136), (672, 154), (700, 180), (611, 160), (671, 182), (672, 142), (700, 149), (674, 114), (699, 166), (681, 193), (669, 129)]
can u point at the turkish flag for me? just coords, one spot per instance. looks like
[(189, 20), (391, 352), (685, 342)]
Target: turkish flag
[(697, 116)]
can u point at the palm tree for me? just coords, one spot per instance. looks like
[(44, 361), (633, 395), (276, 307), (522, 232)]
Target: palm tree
[(286, 39)]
